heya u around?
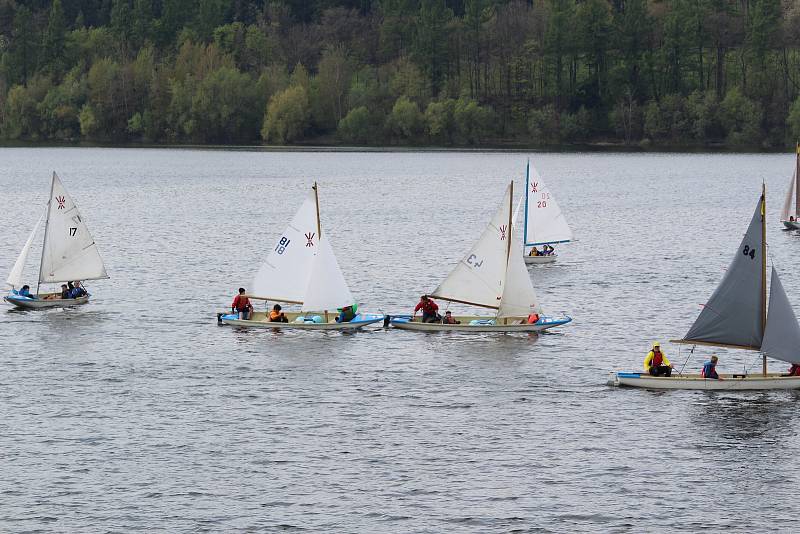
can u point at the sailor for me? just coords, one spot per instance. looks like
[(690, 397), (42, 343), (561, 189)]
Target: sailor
[(241, 305), (26, 292), (656, 362), (346, 315), (430, 310), (710, 369), (533, 318), (77, 291), (534, 252), (794, 370), (449, 319), (277, 316)]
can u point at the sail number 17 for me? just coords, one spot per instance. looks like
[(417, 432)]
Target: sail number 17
[(72, 231)]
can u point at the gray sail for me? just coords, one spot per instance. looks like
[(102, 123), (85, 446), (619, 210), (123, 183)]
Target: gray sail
[(732, 316), (782, 335)]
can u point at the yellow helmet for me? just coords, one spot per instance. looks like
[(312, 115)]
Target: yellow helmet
[(656, 344)]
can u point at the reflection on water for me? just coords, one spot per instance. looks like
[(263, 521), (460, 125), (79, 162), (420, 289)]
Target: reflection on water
[(140, 398)]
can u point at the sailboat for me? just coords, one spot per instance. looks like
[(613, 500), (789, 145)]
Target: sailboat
[(302, 269), (791, 218), (545, 224), (69, 253), (491, 275), (736, 317)]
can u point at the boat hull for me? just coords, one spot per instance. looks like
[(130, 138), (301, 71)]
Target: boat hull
[(518, 325), (41, 304), (260, 320), (540, 260), (728, 382), (791, 225)]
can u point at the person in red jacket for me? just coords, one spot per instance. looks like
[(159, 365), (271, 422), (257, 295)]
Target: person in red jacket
[(241, 305), (430, 310)]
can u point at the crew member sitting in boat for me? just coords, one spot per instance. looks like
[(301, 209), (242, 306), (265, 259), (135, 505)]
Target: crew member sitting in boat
[(26, 292), (346, 315), (77, 291), (710, 369), (430, 310), (656, 362), (277, 316), (534, 252), (241, 305), (64, 295), (547, 250), (449, 319), (533, 318), (794, 370)]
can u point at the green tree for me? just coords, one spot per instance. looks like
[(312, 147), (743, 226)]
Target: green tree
[(405, 121), (287, 117), (358, 127), (430, 41), (54, 37)]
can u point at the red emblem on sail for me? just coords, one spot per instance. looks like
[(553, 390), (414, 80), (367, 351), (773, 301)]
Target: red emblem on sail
[(61, 201), (503, 233), (534, 187), (310, 237)]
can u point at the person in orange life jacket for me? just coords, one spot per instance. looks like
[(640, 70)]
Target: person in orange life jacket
[(241, 305), (656, 362), (430, 310), (710, 369), (277, 316), (794, 370), (449, 319), (533, 318)]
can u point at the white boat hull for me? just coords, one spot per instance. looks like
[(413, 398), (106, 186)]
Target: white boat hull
[(517, 325), (41, 304), (259, 320), (728, 382), (791, 225), (539, 260)]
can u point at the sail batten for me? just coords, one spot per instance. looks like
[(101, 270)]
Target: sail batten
[(545, 223), (732, 315), (69, 251)]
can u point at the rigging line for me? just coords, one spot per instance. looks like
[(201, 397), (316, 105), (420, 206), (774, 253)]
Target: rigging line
[(687, 358)]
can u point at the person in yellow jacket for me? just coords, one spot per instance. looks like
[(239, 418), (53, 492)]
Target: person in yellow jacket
[(656, 362)]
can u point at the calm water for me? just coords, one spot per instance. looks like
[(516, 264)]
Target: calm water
[(136, 412)]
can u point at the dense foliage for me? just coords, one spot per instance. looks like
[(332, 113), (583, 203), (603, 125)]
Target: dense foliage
[(443, 72)]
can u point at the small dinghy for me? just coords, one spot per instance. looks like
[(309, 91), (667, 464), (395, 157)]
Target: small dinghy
[(545, 224), (736, 317), (491, 275), (302, 269), (69, 253), (791, 217)]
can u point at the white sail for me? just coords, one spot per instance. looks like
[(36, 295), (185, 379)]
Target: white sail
[(69, 251), (544, 221), (787, 202), (478, 277), (782, 334), (327, 288), (519, 296), (14, 280), (732, 316), (284, 275)]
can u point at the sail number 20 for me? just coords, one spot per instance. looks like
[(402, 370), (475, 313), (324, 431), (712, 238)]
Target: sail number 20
[(542, 202), (282, 244), (747, 251)]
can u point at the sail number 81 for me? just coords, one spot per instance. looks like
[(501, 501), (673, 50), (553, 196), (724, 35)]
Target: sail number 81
[(747, 251), (282, 244)]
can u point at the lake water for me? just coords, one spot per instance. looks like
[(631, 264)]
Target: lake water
[(138, 413)]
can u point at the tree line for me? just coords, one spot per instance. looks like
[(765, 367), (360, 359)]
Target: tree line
[(407, 72)]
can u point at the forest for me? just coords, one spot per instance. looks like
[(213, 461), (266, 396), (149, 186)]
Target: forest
[(639, 73)]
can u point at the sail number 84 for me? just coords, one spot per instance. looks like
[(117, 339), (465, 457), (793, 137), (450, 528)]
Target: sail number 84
[(747, 251)]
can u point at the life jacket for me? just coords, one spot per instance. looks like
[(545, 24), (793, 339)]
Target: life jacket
[(658, 358), (274, 315), (533, 318)]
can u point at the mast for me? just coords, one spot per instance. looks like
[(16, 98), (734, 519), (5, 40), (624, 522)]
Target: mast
[(46, 226), (527, 191), (764, 267), (797, 181), (510, 221), (319, 228)]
